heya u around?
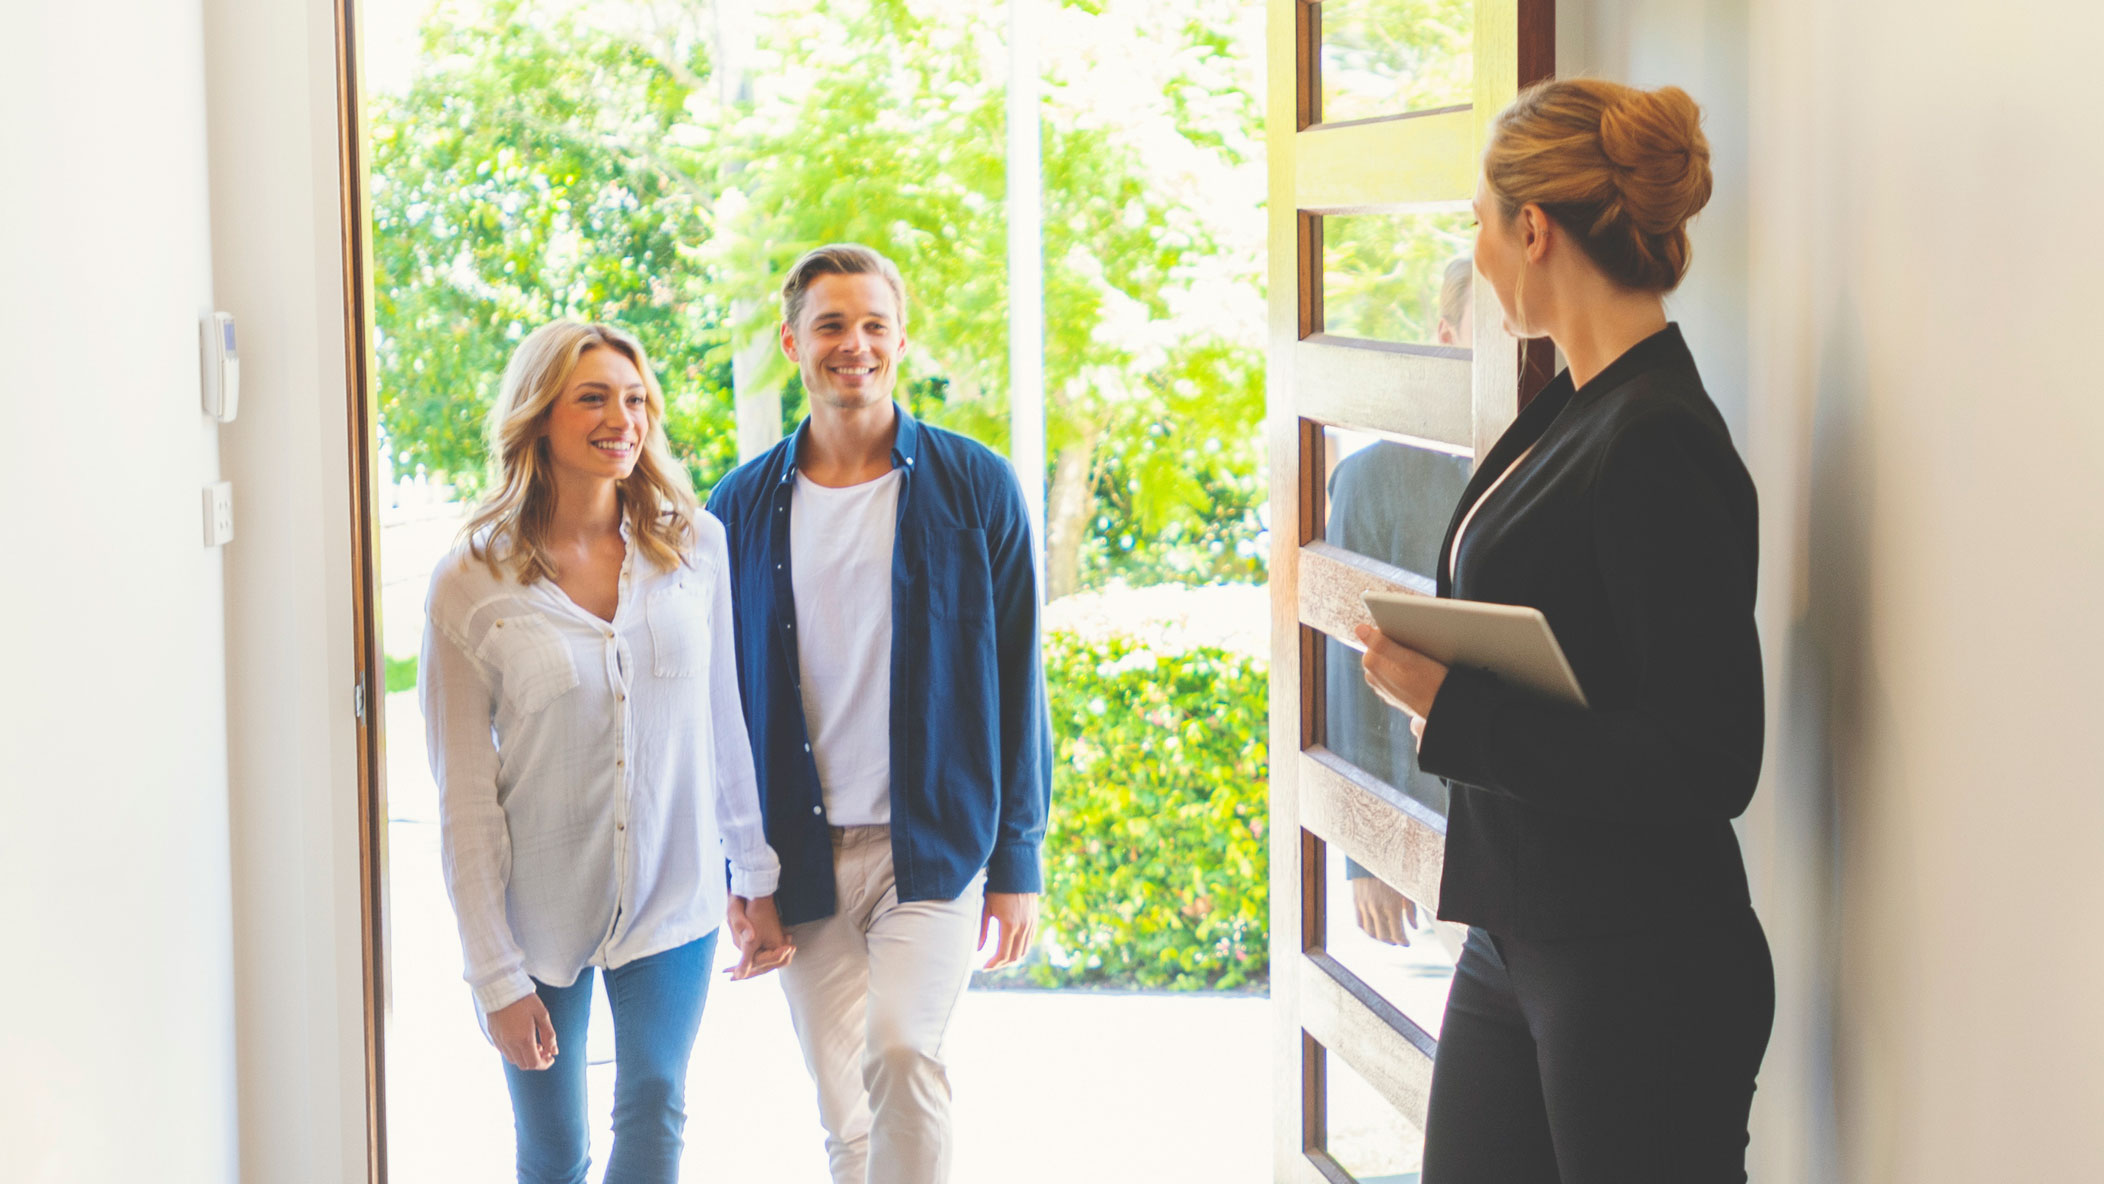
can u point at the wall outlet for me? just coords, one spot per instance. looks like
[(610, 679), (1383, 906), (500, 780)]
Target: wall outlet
[(219, 514)]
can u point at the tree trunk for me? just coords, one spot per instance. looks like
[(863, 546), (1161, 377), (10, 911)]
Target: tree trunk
[(1067, 514), (758, 408)]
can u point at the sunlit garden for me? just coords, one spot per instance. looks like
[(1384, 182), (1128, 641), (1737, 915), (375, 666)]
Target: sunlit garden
[(648, 165)]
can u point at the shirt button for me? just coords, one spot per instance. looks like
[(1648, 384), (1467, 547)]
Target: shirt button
[(620, 826), (620, 698), (817, 810), (807, 748), (618, 764)]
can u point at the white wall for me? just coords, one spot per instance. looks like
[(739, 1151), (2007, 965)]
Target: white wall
[(178, 861), (1920, 410), (117, 1056), (277, 253), (1938, 401)]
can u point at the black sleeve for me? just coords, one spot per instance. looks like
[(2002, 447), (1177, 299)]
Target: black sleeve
[(1678, 569)]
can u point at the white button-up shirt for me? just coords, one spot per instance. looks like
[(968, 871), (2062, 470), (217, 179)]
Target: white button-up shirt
[(589, 771)]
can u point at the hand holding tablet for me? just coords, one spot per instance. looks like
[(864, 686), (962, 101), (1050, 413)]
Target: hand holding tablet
[(1513, 642)]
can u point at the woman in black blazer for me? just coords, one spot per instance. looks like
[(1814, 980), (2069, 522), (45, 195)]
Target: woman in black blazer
[(1614, 998)]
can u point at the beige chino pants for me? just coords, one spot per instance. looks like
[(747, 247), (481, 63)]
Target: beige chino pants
[(871, 991)]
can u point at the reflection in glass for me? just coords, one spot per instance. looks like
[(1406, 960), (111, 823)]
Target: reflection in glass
[(1398, 277), (1366, 1135), (1388, 57), (1390, 944), (1390, 502)]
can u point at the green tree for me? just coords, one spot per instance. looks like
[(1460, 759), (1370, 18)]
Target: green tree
[(885, 125), (541, 167), (522, 177)]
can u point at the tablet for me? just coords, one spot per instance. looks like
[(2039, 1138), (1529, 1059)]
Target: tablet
[(1510, 641)]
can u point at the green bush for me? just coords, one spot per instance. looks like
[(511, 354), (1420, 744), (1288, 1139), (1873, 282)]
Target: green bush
[(401, 673), (1156, 868)]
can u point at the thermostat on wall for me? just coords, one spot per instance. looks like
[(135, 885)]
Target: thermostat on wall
[(222, 367)]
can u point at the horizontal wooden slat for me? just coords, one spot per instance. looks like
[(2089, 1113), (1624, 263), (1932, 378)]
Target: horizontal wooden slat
[(1424, 392), (1316, 1167), (1382, 1046), (1400, 840), (1307, 1172), (1386, 164), (1332, 580)]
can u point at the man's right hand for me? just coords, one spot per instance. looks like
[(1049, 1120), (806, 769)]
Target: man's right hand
[(756, 929), (1385, 914), (523, 1032)]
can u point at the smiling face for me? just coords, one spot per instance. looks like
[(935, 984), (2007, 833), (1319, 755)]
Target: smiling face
[(595, 427), (847, 341)]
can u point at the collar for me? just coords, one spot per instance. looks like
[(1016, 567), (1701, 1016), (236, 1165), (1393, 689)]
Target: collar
[(905, 444), (1663, 348)]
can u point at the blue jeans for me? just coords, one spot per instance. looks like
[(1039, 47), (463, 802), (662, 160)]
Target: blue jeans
[(656, 1002)]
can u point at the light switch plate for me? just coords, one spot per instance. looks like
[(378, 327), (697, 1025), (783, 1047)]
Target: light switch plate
[(219, 514)]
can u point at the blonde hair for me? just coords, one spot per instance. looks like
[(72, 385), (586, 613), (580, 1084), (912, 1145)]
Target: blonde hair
[(510, 526), (1619, 168), (1456, 287), (838, 259)]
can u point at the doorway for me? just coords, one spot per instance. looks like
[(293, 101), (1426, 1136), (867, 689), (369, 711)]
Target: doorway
[(532, 160)]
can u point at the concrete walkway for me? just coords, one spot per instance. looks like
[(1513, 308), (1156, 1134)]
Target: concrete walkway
[(1050, 1086)]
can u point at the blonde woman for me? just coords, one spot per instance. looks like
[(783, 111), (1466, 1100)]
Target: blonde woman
[(581, 704), (1613, 1000)]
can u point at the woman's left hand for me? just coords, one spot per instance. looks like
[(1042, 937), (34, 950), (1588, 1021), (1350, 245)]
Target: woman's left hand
[(757, 931), (1405, 679)]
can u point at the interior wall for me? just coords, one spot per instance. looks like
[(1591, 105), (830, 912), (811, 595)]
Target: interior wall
[(117, 1057), (1940, 409), (277, 253), (1916, 299)]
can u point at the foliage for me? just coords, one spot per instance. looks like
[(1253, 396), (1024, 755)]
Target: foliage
[(524, 176), (1156, 862), (1174, 505), (1381, 273), (401, 673), (1385, 57), (548, 160), (886, 125)]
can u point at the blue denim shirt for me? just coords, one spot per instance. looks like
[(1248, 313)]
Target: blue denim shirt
[(971, 738)]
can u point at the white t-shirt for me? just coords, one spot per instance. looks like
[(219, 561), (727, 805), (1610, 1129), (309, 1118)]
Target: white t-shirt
[(840, 544)]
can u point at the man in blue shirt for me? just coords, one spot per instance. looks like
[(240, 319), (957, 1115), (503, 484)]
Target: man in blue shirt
[(883, 579)]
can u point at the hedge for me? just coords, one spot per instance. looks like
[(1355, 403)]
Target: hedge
[(1156, 868), (1156, 864)]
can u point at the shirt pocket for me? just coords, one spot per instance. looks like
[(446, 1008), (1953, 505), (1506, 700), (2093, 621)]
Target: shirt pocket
[(960, 578), (679, 629), (533, 665)]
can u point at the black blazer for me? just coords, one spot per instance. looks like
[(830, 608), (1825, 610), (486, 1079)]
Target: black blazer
[(1632, 527)]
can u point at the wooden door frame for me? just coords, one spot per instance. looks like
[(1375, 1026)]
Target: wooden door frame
[(364, 434), (1313, 382)]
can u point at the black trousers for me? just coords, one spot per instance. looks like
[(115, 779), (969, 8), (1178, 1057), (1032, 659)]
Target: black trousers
[(1621, 1060)]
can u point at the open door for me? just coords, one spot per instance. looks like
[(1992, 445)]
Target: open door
[(1389, 372)]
